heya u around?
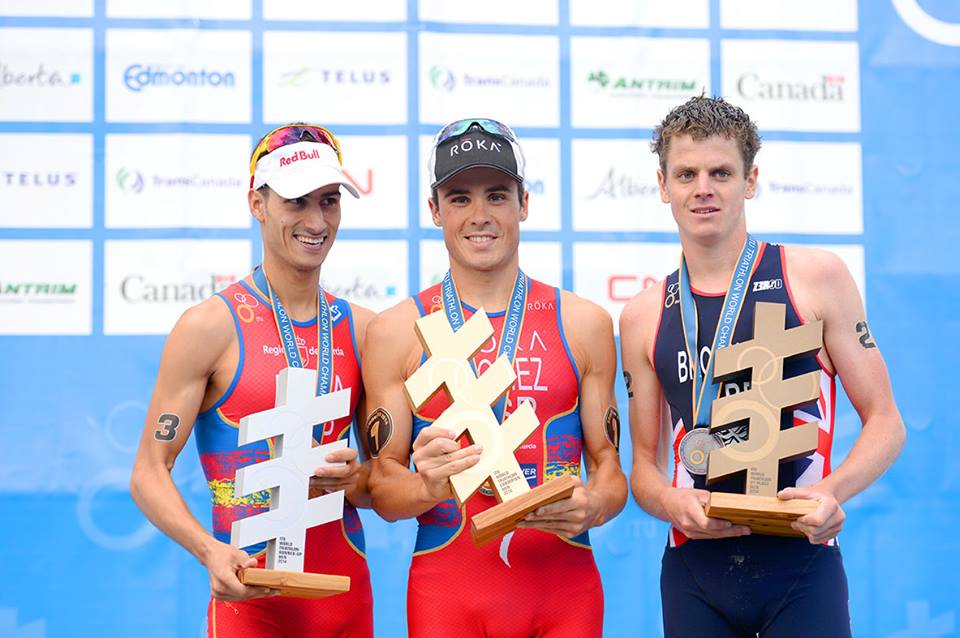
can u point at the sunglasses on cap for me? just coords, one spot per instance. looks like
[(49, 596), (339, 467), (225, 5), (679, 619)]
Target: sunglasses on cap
[(291, 134), (460, 127)]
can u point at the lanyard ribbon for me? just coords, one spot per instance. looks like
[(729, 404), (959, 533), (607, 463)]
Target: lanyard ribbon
[(289, 340), (512, 323), (705, 389)]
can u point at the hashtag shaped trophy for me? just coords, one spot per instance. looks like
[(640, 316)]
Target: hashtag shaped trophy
[(761, 406), (470, 413), (287, 476)]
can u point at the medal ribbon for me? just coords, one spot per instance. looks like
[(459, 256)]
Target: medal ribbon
[(289, 340), (512, 323), (705, 389)]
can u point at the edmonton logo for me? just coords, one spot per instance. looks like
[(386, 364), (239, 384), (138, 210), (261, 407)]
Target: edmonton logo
[(138, 77)]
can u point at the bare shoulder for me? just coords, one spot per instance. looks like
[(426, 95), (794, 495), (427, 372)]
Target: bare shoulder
[(642, 310), (391, 333), (361, 319), (588, 330), (581, 315), (202, 333), (814, 266), (209, 319)]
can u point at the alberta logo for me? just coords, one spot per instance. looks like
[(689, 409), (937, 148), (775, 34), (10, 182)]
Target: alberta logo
[(624, 86), (38, 76), (130, 181)]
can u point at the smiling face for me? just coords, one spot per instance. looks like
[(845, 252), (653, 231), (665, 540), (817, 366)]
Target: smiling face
[(480, 211), (705, 184), (297, 232)]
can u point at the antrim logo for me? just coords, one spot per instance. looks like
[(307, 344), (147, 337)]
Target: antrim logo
[(37, 76), (641, 87), (308, 75), (137, 77), (140, 289), (130, 182), (829, 88), (31, 292)]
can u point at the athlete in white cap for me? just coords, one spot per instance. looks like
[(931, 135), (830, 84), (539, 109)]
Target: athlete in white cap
[(220, 364)]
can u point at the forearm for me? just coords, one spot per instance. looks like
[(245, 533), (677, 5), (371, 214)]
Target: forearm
[(648, 484), (607, 487), (396, 492), (155, 493), (875, 450), (359, 493)]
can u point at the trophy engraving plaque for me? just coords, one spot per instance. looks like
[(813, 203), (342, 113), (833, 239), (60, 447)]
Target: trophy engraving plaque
[(287, 476), (470, 413), (760, 407)]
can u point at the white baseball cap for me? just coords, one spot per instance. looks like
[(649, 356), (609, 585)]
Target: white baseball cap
[(297, 169)]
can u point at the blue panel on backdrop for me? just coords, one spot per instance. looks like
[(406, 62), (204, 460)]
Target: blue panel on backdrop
[(82, 559)]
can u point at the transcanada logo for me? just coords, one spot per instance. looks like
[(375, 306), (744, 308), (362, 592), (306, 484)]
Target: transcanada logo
[(35, 292), (130, 182), (444, 78), (783, 188), (137, 77), (133, 181)]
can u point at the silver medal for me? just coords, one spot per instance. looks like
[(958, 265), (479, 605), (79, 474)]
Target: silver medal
[(695, 448)]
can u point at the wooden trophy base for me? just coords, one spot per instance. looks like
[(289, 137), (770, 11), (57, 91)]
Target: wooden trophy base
[(295, 584), (762, 514), (503, 518)]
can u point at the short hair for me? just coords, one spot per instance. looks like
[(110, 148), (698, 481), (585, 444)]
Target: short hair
[(702, 117)]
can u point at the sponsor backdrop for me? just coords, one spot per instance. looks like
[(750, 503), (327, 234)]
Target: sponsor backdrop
[(125, 127)]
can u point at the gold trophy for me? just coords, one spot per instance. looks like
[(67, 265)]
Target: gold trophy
[(760, 407), (470, 414)]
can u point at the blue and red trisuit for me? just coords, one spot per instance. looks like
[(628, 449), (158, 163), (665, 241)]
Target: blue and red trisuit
[(335, 548), (530, 582)]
